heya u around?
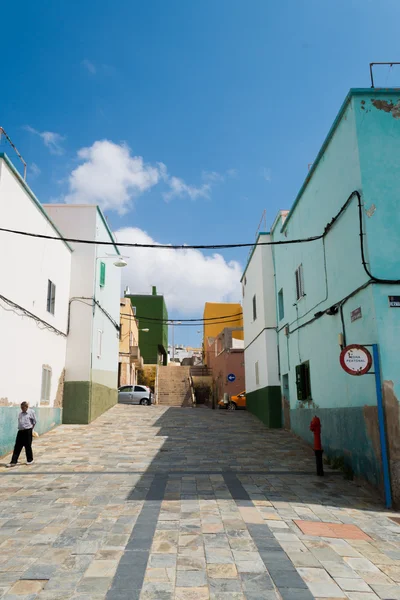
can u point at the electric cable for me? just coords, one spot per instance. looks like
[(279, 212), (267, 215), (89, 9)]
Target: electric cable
[(160, 246), (14, 307), (174, 321)]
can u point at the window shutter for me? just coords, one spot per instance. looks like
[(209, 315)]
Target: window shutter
[(307, 383), (102, 274), (299, 382)]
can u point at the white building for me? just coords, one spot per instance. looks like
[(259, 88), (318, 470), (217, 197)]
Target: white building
[(91, 374), (34, 288), (179, 353), (260, 337)]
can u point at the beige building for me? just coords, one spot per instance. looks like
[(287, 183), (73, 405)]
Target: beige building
[(129, 353)]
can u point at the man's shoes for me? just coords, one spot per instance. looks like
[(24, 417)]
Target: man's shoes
[(11, 465), (30, 462)]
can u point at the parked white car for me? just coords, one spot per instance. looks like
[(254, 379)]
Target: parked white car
[(134, 394)]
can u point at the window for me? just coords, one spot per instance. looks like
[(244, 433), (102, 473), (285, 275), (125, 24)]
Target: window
[(102, 274), (299, 282), (126, 388), (281, 309), (139, 388), (257, 374), (254, 308), (99, 342), (134, 310), (131, 338), (303, 382), (51, 297), (46, 385)]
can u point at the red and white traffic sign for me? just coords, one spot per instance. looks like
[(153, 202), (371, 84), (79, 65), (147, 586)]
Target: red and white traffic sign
[(356, 359)]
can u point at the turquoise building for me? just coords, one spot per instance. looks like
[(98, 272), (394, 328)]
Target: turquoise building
[(336, 290)]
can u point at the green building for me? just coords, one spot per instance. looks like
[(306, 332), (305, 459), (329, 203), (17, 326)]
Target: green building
[(151, 313)]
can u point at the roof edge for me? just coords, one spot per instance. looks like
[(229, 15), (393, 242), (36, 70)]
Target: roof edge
[(110, 233), (252, 252), (352, 92), (35, 200)]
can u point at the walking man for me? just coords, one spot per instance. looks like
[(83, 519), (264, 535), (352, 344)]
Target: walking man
[(26, 423)]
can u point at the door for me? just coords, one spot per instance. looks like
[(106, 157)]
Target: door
[(286, 401), (125, 394), (139, 392)]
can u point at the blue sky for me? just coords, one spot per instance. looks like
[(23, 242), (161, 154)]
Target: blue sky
[(234, 98)]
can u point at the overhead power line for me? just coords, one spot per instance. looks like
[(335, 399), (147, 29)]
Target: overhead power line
[(160, 246), (175, 321), (161, 322)]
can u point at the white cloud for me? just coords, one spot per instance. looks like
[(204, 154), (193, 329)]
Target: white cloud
[(97, 69), (187, 278), (110, 176), (180, 189), (51, 140), (213, 176), (266, 173), (89, 66), (34, 170)]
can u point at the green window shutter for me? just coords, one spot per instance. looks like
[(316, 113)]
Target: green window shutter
[(307, 380), (299, 383), (102, 274)]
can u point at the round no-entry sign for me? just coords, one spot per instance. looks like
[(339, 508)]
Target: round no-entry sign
[(356, 359)]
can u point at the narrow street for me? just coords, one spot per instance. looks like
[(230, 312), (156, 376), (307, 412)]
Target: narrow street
[(169, 503)]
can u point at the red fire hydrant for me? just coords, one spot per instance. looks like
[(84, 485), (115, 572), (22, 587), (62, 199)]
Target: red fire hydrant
[(315, 427)]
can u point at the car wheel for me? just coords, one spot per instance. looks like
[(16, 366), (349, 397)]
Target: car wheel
[(232, 406), (143, 401)]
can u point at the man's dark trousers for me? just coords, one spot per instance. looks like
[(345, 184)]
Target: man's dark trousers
[(24, 439)]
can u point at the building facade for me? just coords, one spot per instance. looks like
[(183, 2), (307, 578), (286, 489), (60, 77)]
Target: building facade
[(226, 358), (263, 390), (91, 369), (218, 315), (338, 289), (151, 313), (35, 280), (129, 352)]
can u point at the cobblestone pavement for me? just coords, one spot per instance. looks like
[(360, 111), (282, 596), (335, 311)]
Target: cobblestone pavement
[(171, 503)]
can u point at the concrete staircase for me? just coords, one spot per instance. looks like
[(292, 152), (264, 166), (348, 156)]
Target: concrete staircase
[(174, 386)]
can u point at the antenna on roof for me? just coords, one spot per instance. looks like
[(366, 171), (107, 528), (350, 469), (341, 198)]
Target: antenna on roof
[(262, 226)]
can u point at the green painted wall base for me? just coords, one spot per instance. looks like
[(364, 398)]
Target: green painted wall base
[(266, 404), (343, 434), (84, 401), (47, 418)]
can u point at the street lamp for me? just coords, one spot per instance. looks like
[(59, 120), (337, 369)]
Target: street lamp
[(145, 329), (172, 323)]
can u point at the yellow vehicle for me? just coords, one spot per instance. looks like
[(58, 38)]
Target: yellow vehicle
[(235, 402)]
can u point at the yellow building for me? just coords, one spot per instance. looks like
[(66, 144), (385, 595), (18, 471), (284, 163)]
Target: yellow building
[(217, 316), (129, 353)]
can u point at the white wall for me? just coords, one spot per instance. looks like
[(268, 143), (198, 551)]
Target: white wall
[(78, 222), (26, 265), (260, 338), (105, 367), (83, 362)]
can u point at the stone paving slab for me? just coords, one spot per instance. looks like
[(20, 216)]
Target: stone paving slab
[(161, 503)]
